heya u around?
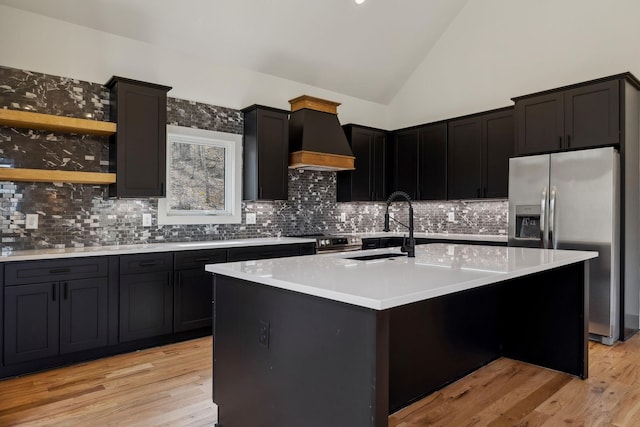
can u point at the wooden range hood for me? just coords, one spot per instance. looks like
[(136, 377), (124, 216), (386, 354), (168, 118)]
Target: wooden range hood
[(316, 139)]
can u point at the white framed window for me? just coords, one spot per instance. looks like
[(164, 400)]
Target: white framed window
[(204, 177)]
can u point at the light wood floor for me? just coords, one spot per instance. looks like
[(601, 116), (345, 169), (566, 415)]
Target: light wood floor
[(171, 386)]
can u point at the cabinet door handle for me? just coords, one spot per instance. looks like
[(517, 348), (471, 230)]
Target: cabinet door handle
[(53, 291), (66, 290), (478, 192), (484, 192), (59, 270), (560, 142), (568, 141)]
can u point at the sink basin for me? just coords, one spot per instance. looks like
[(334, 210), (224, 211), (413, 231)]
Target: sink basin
[(376, 256)]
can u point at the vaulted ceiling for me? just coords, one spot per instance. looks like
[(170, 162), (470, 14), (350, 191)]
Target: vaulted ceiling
[(367, 51)]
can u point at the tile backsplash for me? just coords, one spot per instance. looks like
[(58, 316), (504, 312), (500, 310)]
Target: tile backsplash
[(76, 215)]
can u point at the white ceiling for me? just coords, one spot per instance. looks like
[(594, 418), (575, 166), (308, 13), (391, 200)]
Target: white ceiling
[(367, 51)]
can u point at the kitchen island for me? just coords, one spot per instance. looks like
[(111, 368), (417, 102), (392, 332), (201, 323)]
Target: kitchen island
[(334, 340)]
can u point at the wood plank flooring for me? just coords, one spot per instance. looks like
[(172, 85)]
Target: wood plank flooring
[(171, 386)]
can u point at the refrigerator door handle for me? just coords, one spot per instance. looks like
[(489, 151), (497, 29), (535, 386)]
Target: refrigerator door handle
[(543, 218), (552, 219)]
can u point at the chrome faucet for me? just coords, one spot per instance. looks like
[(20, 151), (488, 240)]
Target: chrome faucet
[(407, 246)]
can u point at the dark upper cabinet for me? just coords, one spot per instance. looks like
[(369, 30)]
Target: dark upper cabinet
[(432, 162), (592, 115), (405, 162), (265, 153), (479, 148), (138, 149), (464, 159), (498, 145), (583, 116), (368, 181), (420, 162)]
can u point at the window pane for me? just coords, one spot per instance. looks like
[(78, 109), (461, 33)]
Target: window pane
[(197, 177)]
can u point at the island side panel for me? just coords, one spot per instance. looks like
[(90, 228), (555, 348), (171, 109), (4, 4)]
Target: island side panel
[(287, 359), (438, 341), (545, 319)]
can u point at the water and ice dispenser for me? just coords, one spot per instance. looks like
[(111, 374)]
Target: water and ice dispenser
[(528, 222)]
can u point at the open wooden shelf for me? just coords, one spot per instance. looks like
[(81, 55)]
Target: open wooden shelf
[(29, 120), (45, 175)]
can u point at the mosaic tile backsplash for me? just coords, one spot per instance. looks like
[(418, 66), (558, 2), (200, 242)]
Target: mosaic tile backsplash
[(77, 215)]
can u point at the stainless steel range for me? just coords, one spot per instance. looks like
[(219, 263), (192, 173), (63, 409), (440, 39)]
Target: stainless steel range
[(326, 243)]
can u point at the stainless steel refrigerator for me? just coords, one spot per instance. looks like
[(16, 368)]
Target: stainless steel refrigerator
[(571, 200)]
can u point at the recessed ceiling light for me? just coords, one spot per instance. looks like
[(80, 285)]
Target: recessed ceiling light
[(359, 1)]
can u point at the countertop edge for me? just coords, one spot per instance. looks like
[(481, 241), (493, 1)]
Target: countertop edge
[(44, 254)]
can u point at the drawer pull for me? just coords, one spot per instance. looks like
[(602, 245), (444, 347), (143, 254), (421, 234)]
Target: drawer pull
[(148, 264), (59, 270), (202, 259)]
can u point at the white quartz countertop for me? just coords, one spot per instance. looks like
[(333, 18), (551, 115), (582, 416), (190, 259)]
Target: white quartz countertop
[(437, 269), (39, 254), (444, 236)]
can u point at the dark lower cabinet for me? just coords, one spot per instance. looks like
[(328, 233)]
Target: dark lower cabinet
[(83, 314), (56, 312), (31, 322), (47, 319), (192, 299), (193, 290), (146, 298)]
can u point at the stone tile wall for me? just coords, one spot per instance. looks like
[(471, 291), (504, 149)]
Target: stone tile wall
[(76, 215)]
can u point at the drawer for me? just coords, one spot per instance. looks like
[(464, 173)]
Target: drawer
[(144, 263), (23, 272), (199, 258), (370, 243), (263, 252)]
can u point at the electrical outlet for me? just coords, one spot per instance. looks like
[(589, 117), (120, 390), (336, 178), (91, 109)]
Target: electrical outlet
[(451, 217), (32, 222), (146, 220), (343, 217), (251, 218), (263, 337)]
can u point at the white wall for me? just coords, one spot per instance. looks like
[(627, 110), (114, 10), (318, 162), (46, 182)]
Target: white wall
[(492, 51), (498, 49), (37, 43)]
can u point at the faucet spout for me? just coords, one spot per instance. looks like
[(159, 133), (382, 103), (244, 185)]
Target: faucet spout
[(408, 246)]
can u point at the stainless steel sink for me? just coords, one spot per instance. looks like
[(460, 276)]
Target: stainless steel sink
[(376, 256)]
